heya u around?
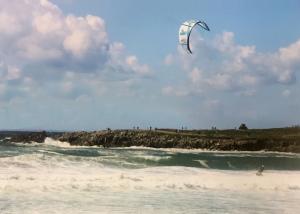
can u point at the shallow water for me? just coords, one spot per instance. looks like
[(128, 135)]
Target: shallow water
[(56, 178)]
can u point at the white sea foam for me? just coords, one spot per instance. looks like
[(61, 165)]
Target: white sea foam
[(58, 172), (51, 142), (153, 157), (39, 181), (203, 163), (48, 152), (217, 152)]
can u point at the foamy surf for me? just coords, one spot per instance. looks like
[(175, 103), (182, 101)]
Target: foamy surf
[(57, 171), (51, 142), (152, 157), (60, 178), (203, 163)]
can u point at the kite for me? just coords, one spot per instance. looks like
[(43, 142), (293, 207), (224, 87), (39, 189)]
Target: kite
[(185, 31)]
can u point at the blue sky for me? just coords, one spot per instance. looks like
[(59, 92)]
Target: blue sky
[(252, 21), (88, 65)]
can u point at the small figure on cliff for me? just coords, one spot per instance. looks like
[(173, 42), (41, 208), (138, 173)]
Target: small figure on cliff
[(260, 170), (243, 127)]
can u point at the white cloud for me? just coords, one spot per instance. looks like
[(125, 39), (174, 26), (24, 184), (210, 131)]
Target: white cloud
[(84, 34), (291, 54), (47, 23), (9, 72), (133, 63), (13, 83), (221, 64), (195, 75), (39, 42), (13, 73), (8, 24), (249, 80)]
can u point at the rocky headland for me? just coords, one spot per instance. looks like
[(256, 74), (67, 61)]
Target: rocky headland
[(279, 140)]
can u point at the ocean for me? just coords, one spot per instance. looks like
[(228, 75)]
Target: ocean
[(54, 177)]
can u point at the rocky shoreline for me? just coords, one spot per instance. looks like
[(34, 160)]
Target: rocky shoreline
[(279, 140), (24, 136)]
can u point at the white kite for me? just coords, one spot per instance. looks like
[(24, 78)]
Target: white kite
[(185, 31)]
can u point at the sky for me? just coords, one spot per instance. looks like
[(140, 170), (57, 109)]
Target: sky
[(89, 65)]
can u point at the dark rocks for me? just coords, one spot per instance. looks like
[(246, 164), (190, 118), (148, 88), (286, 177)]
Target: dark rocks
[(168, 139), (29, 137)]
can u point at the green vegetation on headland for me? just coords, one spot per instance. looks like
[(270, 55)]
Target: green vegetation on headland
[(277, 139)]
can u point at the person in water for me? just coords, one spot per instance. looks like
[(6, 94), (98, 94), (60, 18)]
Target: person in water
[(260, 170)]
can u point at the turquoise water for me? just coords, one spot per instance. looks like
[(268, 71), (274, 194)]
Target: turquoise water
[(54, 177)]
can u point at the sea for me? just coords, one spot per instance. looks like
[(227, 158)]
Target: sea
[(54, 177)]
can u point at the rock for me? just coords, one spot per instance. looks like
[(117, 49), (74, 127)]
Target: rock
[(170, 140), (28, 137)]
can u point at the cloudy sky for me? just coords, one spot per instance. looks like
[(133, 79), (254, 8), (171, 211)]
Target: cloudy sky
[(86, 65)]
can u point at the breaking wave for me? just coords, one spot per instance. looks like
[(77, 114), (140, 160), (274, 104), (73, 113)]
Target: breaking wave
[(118, 180)]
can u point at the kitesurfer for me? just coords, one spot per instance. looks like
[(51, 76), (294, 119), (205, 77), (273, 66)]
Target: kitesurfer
[(260, 170)]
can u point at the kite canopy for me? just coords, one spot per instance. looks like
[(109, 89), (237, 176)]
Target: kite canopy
[(185, 31)]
